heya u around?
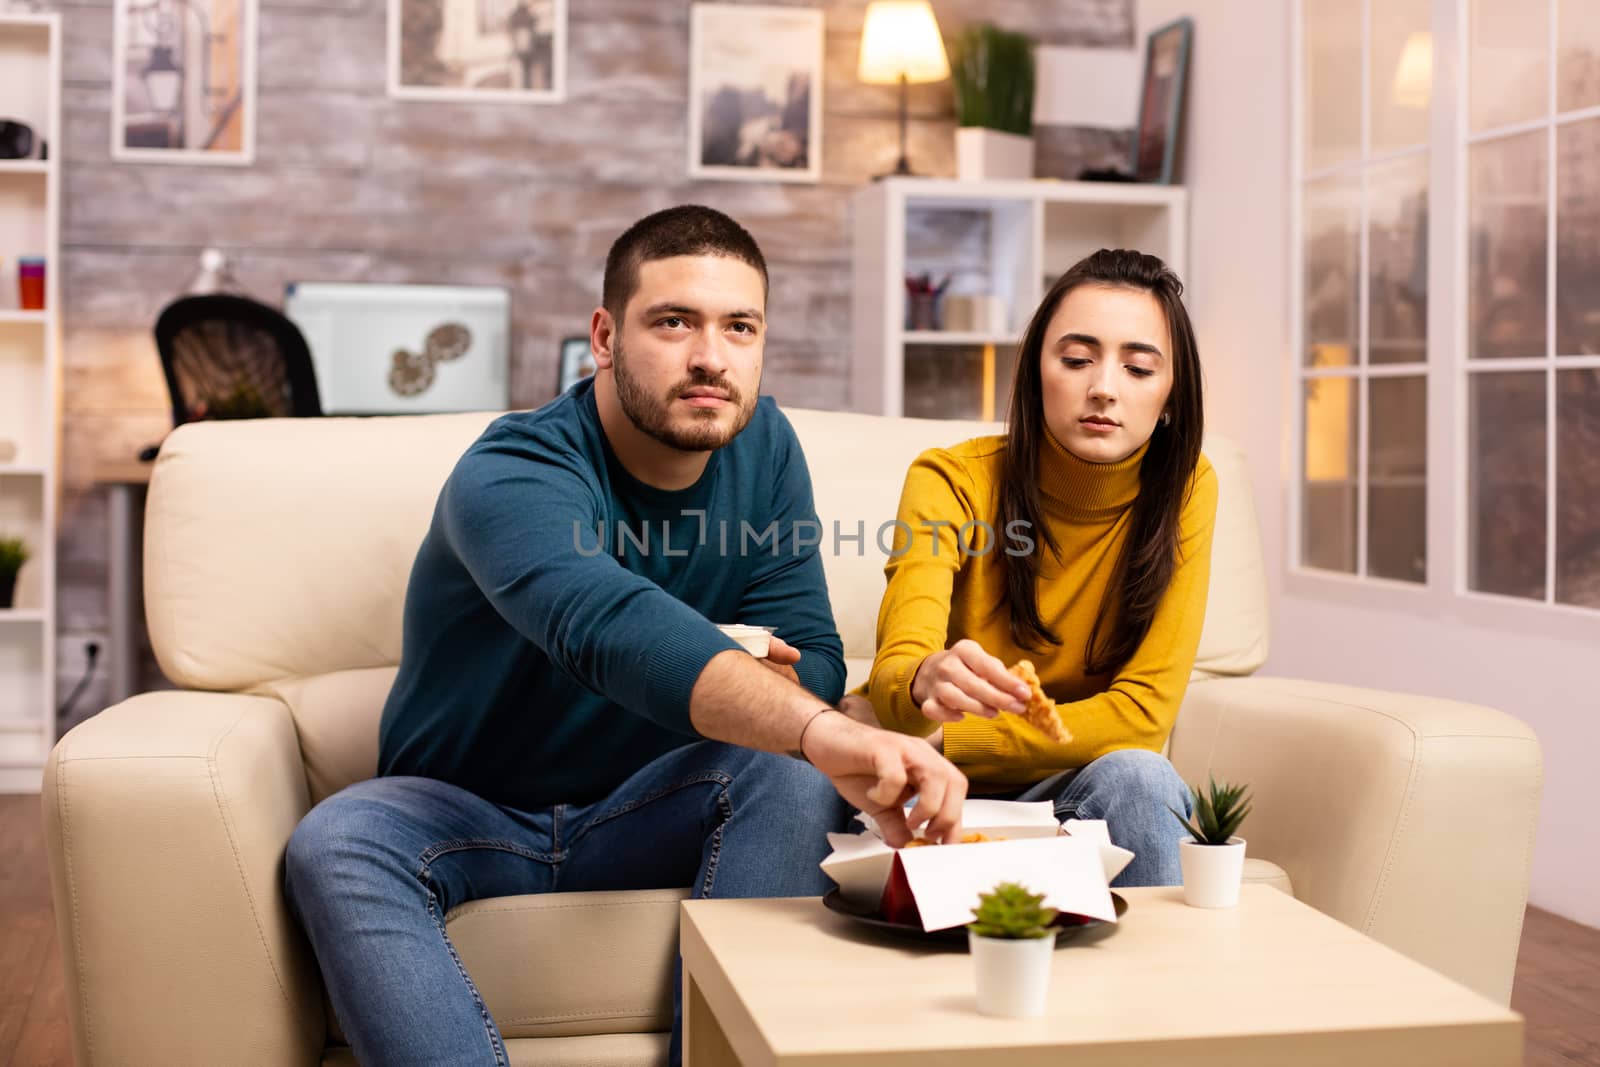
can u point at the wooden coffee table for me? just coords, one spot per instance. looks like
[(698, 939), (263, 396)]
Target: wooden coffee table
[(1272, 982)]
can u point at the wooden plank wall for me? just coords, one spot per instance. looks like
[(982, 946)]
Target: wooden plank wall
[(349, 185)]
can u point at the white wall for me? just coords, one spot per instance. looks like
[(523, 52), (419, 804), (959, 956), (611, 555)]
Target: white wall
[(1237, 167)]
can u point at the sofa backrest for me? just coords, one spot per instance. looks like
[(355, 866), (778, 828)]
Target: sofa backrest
[(280, 548)]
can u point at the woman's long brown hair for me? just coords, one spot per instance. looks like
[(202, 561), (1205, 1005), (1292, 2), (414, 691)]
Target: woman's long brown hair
[(1150, 553)]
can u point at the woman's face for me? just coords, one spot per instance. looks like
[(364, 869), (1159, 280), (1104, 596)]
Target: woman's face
[(1106, 370)]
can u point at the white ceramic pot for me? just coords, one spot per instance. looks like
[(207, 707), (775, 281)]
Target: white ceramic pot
[(1013, 974), (1212, 873), (989, 155)]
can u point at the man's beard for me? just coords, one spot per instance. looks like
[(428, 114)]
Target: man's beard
[(653, 416)]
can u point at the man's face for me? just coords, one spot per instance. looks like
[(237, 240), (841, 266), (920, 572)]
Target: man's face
[(687, 355), (1106, 370)]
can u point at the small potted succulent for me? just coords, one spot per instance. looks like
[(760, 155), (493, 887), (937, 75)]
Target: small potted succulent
[(1012, 943), (13, 554), (1213, 862)]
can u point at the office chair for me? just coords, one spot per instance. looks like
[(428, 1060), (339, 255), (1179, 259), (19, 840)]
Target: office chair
[(230, 357)]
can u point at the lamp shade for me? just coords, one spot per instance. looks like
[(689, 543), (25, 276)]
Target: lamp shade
[(1413, 75), (901, 39)]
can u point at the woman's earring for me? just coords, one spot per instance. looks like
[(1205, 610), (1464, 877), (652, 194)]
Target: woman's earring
[(1166, 418)]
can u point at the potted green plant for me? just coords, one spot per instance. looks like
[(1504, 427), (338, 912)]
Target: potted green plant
[(13, 554), (1213, 857), (993, 74), (1012, 942)]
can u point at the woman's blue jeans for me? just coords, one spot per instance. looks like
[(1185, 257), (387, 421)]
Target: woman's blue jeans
[(1130, 789), (372, 871)]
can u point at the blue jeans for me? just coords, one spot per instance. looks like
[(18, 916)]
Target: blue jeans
[(372, 871), (1130, 789)]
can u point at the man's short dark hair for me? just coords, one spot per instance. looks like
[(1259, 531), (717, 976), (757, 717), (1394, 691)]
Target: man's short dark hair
[(685, 230)]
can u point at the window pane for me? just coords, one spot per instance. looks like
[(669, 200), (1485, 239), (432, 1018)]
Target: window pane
[(1333, 261), (1333, 82), (1578, 238), (1510, 60), (1328, 522), (1507, 244), (1578, 487), (1397, 473), (1397, 217), (1578, 56), (1402, 73), (1506, 439)]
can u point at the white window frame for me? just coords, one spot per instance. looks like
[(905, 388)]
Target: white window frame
[(1444, 595)]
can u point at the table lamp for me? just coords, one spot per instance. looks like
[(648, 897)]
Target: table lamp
[(900, 42)]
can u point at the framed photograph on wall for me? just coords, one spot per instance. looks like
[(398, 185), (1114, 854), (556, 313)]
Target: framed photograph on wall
[(183, 81), (577, 362), (514, 50), (1166, 66), (755, 92)]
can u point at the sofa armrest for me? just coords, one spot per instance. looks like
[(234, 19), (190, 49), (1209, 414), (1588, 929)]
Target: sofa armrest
[(166, 818), (1407, 817)]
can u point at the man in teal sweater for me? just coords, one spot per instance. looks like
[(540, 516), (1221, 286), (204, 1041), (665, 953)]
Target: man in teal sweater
[(567, 716)]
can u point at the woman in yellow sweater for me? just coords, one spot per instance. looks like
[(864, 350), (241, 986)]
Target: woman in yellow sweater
[(1080, 540)]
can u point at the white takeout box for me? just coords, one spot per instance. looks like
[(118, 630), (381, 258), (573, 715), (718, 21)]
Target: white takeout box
[(1072, 872)]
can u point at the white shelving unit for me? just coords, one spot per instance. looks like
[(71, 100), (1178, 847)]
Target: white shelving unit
[(30, 397), (1003, 239)]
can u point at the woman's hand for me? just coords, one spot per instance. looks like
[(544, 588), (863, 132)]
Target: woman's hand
[(966, 680)]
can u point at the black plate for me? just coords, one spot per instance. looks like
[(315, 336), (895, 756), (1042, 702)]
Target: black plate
[(1081, 928)]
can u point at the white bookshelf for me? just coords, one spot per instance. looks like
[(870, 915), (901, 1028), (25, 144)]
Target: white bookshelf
[(1011, 240), (30, 397)]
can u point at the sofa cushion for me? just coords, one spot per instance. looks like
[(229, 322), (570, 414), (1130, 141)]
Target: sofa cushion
[(336, 716), (303, 573), (858, 466), (1233, 640), (592, 1050), (281, 548), (1265, 872), (572, 963)]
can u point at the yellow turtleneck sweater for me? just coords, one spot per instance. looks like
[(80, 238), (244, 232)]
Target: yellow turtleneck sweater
[(938, 596)]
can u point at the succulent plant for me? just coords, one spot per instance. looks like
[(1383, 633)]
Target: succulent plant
[(1011, 912), (13, 554), (1217, 812)]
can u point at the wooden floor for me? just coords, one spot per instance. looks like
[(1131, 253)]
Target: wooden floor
[(33, 996), (1557, 987)]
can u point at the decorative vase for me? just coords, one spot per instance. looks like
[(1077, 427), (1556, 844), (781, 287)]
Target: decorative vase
[(8, 590), (983, 154), (1013, 974), (1212, 873)]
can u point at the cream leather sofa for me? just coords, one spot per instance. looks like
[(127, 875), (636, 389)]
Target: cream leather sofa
[(276, 561)]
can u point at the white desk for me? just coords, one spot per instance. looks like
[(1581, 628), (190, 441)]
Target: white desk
[(125, 485)]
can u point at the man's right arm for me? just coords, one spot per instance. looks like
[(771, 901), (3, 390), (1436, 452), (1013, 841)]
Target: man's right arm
[(738, 701), (517, 520), (523, 523)]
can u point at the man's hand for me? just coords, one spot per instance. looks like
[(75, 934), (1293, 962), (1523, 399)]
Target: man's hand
[(878, 771), (781, 656), (966, 680)]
